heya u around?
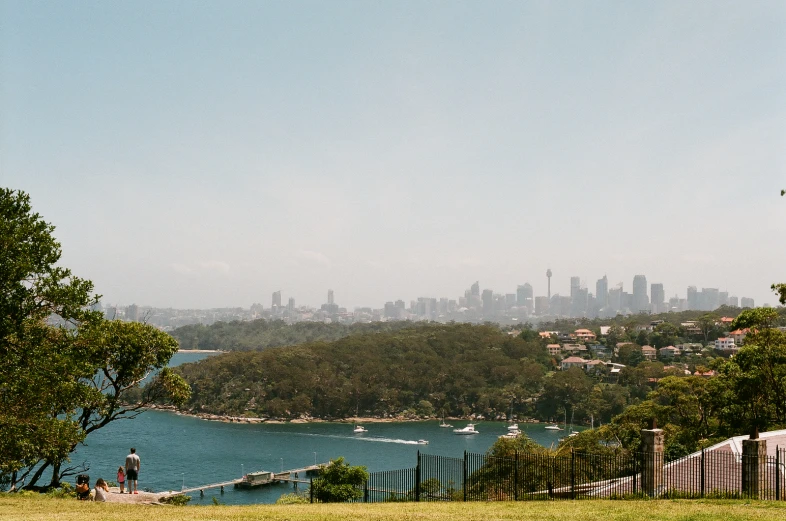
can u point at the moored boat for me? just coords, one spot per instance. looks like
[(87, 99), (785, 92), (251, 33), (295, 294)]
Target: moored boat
[(469, 429)]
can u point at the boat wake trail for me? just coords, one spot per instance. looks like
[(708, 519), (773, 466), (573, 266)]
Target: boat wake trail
[(355, 438)]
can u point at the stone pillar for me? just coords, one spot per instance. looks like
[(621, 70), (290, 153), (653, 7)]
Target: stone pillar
[(652, 464), (754, 465)]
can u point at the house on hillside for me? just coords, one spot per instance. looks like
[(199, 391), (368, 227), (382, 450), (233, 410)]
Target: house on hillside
[(554, 349), (584, 335), (738, 335), (572, 361), (574, 348), (600, 350), (668, 352), (649, 352), (594, 366), (726, 344)]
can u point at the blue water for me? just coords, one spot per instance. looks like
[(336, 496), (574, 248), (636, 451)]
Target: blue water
[(179, 451)]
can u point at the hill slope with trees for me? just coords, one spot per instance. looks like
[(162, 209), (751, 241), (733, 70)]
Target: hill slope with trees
[(421, 370), (261, 333)]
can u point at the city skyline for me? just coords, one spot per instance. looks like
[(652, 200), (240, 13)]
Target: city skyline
[(198, 154), (654, 293)]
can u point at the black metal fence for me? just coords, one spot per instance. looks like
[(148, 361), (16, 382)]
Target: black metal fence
[(529, 476)]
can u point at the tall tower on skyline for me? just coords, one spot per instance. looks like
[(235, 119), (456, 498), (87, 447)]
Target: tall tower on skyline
[(330, 296), (548, 276), (641, 301), (602, 292)]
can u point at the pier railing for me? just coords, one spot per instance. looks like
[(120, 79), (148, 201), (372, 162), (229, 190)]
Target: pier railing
[(575, 475)]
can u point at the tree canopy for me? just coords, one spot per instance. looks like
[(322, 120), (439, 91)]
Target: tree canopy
[(65, 369), (339, 482)]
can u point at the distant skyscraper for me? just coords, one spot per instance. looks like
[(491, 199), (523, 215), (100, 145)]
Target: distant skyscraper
[(709, 299), (640, 300), (525, 297), (693, 298), (575, 285), (541, 305), (488, 301), (734, 302), (615, 300), (602, 292), (578, 302), (276, 299), (132, 313), (475, 289), (330, 296), (746, 302), (291, 304), (658, 298)]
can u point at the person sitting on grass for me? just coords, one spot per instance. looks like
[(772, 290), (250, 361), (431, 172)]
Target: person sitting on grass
[(102, 489)]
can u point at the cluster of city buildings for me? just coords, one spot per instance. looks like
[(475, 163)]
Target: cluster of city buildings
[(604, 302), (475, 305)]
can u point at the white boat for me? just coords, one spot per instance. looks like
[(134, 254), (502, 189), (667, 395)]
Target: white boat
[(469, 429), (554, 427), (422, 442), (512, 434), (443, 424), (359, 429), (514, 427)]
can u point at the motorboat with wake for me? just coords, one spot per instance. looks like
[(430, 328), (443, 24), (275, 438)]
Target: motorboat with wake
[(359, 429), (469, 429)]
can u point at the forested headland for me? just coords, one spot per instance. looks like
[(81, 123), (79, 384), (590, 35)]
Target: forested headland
[(423, 370), (260, 334), (478, 371)]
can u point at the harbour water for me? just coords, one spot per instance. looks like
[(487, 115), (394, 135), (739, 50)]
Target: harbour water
[(181, 451)]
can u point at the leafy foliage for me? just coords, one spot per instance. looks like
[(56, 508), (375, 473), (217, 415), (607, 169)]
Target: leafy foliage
[(261, 334), (339, 482), (429, 368), (66, 370), (291, 499)]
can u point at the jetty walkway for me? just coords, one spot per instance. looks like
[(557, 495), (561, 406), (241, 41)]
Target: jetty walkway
[(287, 476)]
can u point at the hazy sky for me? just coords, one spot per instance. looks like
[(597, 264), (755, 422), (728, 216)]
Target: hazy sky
[(206, 154)]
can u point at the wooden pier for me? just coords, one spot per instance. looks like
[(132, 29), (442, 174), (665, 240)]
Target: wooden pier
[(287, 476)]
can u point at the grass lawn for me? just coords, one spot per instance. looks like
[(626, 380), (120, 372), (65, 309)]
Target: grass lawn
[(34, 508)]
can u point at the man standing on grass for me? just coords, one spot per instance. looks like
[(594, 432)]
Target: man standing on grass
[(132, 470)]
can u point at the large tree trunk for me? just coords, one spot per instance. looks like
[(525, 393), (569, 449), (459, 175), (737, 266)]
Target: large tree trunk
[(55, 475)]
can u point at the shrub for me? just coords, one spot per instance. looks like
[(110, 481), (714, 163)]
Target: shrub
[(291, 499)]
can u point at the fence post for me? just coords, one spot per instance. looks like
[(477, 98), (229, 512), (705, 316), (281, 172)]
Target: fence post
[(754, 465), (652, 466), (311, 489), (572, 474), (464, 477), (516, 478), (777, 473), (702, 478), (635, 472), (365, 491), (417, 479)]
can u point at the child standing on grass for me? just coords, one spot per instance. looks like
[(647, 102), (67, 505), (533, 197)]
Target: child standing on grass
[(121, 478)]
